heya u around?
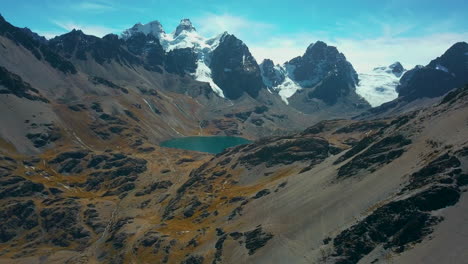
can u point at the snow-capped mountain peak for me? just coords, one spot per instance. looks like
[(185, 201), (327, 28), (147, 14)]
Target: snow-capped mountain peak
[(184, 36), (153, 28), (185, 25), (395, 68), (319, 61)]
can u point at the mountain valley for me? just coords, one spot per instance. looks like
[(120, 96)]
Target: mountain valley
[(341, 168)]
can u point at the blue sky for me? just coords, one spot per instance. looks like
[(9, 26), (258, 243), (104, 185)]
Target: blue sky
[(369, 33)]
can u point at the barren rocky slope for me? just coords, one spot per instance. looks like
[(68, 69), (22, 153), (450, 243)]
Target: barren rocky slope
[(339, 192), (83, 179)]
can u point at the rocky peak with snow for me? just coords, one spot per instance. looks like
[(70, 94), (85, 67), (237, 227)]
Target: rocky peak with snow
[(442, 74), (395, 68), (322, 69), (153, 28), (454, 60), (272, 75), (185, 25), (318, 61), (234, 69)]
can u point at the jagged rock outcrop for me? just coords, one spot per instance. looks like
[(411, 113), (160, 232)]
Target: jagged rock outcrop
[(325, 69), (78, 45), (38, 48), (272, 76), (234, 69), (181, 61), (184, 25)]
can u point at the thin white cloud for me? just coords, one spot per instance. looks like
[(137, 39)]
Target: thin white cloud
[(282, 48), (212, 24), (96, 30), (93, 6)]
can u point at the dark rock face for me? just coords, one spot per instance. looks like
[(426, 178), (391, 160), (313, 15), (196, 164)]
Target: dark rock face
[(271, 76), (181, 61), (332, 88), (185, 25), (35, 36), (360, 146), (39, 49), (234, 69), (256, 239), (397, 69), (287, 150), (60, 219), (382, 152), (395, 225), (408, 219), (92, 219), (262, 193), (455, 95), (16, 186), (148, 47), (442, 169), (326, 66), (45, 137), (118, 236), (11, 83), (446, 72), (15, 217), (78, 45), (193, 260)]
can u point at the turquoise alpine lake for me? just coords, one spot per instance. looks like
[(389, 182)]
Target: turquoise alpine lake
[(211, 145)]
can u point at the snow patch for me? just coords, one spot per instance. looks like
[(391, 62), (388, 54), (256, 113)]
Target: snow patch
[(441, 68), (287, 89), (203, 74), (378, 86)]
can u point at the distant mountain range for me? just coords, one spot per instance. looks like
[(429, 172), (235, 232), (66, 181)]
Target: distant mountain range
[(327, 178)]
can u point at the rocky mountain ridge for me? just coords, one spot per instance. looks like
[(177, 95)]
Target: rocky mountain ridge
[(83, 178)]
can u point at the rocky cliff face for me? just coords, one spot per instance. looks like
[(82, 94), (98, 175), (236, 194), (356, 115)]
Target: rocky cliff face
[(326, 70), (185, 25), (41, 50), (149, 48), (77, 45), (272, 75), (181, 61), (234, 68), (318, 62)]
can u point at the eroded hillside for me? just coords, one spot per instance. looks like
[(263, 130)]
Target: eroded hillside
[(339, 192)]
